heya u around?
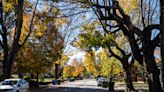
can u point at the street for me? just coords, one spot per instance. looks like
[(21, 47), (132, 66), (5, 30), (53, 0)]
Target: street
[(86, 85)]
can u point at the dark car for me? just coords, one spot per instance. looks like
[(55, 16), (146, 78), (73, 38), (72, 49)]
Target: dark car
[(56, 82), (71, 79)]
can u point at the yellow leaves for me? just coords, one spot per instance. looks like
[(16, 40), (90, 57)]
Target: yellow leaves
[(129, 5), (60, 21), (8, 6), (67, 71), (55, 11), (39, 34), (40, 30), (109, 65), (90, 64), (25, 28), (77, 68)]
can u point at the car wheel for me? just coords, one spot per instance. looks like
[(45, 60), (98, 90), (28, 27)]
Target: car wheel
[(17, 91)]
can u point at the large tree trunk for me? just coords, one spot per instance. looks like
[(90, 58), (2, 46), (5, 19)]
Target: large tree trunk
[(10, 54), (8, 66), (127, 74), (56, 71), (162, 37), (128, 80), (153, 71), (6, 74), (37, 77), (126, 67)]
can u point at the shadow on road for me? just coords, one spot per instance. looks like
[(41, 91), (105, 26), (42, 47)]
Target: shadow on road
[(71, 89)]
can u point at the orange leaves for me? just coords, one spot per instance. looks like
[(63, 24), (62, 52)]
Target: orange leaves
[(77, 68), (67, 71)]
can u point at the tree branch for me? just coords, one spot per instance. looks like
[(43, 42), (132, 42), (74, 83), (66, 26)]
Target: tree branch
[(31, 23), (156, 41), (114, 55), (122, 51)]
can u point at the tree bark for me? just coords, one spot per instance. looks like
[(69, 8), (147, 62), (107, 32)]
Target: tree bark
[(128, 80), (129, 31), (9, 55), (37, 77), (162, 38), (8, 66), (153, 71), (126, 67), (56, 71), (127, 74)]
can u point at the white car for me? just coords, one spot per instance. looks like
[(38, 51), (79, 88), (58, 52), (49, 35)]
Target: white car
[(100, 81), (14, 85)]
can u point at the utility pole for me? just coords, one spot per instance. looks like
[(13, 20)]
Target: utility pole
[(162, 38)]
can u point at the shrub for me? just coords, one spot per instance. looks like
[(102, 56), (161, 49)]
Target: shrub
[(105, 84), (27, 78)]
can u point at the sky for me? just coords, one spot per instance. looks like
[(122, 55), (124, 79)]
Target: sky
[(79, 56)]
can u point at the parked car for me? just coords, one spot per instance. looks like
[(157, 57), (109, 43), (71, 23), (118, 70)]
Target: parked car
[(14, 85), (71, 79), (56, 82), (100, 81)]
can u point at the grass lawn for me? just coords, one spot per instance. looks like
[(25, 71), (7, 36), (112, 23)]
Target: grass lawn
[(137, 85), (45, 80)]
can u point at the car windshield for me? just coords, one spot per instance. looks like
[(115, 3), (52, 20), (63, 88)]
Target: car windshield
[(9, 82)]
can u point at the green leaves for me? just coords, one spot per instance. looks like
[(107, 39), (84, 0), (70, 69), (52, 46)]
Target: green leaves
[(109, 66), (92, 36)]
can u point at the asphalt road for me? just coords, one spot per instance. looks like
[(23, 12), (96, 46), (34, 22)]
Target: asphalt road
[(86, 85)]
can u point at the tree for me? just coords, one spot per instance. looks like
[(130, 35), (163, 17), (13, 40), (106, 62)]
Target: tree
[(90, 64), (11, 17), (75, 69), (162, 37), (91, 37), (109, 66), (109, 12), (78, 68), (48, 37), (31, 59), (67, 71)]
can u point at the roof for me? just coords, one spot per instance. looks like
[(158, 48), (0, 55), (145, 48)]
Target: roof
[(13, 79)]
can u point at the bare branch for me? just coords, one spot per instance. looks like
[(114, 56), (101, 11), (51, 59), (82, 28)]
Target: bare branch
[(142, 15), (122, 51), (156, 41), (114, 55), (1, 44), (118, 29), (31, 23)]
